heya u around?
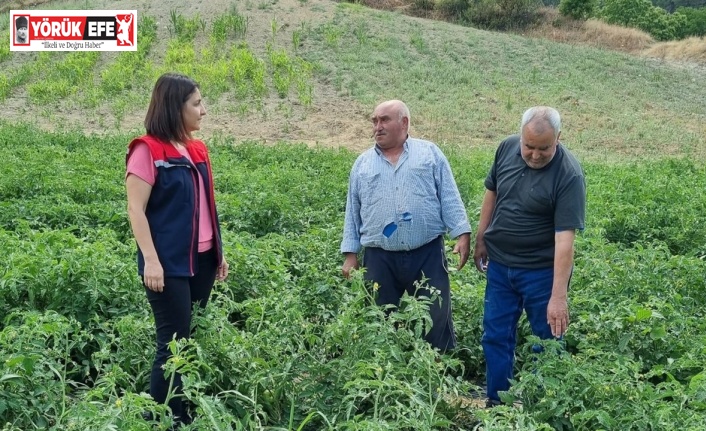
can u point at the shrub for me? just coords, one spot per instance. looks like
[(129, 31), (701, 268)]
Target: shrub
[(662, 25), (577, 9), (502, 14), (423, 5), (452, 8), (625, 12), (695, 21), (641, 14)]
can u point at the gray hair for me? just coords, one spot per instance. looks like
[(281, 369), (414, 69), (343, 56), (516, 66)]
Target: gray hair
[(400, 107), (404, 112), (549, 116)]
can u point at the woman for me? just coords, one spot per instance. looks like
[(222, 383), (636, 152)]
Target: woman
[(173, 216)]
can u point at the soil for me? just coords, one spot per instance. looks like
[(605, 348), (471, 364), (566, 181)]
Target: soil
[(332, 121)]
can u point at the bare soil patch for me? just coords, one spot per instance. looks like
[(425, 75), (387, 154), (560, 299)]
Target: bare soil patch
[(333, 120), (20, 4)]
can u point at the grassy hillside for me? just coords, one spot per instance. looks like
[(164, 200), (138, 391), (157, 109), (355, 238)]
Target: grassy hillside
[(333, 63), (286, 343), (469, 87)]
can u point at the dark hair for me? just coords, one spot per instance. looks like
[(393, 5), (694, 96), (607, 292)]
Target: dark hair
[(164, 117)]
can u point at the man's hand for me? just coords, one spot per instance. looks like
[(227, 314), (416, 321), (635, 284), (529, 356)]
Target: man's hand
[(350, 264), (463, 249), (558, 315), (480, 255), (558, 309)]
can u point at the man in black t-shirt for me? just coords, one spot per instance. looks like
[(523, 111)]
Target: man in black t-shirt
[(534, 203)]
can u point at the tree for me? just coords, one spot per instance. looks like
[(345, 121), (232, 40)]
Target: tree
[(577, 9), (643, 15), (672, 5)]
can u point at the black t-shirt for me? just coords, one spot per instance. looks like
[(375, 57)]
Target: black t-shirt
[(532, 205)]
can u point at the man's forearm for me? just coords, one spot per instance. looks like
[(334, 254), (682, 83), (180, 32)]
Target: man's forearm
[(563, 262)]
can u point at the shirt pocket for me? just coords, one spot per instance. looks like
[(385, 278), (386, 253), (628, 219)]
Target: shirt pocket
[(539, 201), (422, 179), (371, 189)]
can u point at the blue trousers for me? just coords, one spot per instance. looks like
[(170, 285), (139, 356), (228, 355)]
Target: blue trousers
[(507, 293), (396, 271), (172, 317)]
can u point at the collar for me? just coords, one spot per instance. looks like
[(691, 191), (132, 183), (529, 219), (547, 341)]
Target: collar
[(405, 145)]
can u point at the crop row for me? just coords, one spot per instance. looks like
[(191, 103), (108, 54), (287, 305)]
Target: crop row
[(287, 343)]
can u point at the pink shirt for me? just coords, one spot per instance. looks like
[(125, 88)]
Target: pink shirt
[(141, 164)]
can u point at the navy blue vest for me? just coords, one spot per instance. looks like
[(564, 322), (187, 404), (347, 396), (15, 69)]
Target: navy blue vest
[(173, 206)]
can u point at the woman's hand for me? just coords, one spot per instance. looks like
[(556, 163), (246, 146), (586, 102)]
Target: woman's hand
[(222, 270), (154, 276)]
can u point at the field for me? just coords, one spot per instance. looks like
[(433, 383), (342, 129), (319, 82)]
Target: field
[(286, 343)]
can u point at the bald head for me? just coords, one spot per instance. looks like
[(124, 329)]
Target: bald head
[(390, 124), (396, 106)]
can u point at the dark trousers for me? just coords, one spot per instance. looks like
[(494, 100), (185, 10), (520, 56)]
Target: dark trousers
[(172, 317), (396, 271)]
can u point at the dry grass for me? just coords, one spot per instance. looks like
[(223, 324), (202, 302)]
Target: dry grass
[(20, 4), (691, 49), (616, 37), (554, 26), (393, 5)]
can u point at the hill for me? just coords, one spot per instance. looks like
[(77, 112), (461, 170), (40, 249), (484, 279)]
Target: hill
[(286, 342), (464, 86)]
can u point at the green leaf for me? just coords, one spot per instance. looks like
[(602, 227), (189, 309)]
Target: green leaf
[(7, 377), (658, 332), (643, 314)]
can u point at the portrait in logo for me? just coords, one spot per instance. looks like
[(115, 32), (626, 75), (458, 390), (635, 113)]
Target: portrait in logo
[(21, 30)]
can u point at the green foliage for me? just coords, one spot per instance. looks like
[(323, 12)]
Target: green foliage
[(286, 342), (452, 8), (248, 73), (219, 70), (672, 5), (64, 78), (38, 371), (577, 9), (470, 87), (4, 49), (13, 78), (229, 23), (287, 71), (185, 29), (695, 21), (644, 211), (501, 14), (131, 63), (126, 79), (423, 5), (664, 26), (643, 15)]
